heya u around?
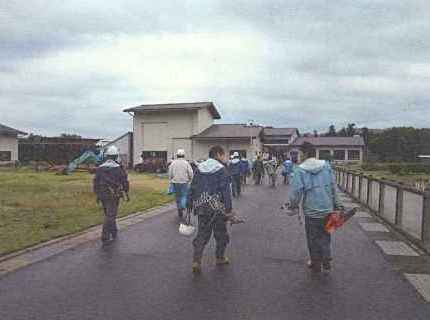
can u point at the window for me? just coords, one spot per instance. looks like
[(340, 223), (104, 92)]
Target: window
[(162, 155), (339, 154), (5, 156), (354, 155), (325, 155)]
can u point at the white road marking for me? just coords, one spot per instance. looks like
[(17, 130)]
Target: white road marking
[(396, 248), (421, 282), (374, 227), (362, 214)]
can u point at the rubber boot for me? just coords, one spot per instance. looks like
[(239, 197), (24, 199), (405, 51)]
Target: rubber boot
[(196, 267), (222, 261)]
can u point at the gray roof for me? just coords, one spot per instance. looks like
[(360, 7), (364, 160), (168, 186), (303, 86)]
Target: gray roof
[(9, 131), (177, 106), (279, 131), (230, 131), (331, 141)]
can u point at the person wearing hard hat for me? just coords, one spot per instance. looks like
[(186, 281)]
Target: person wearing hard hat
[(180, 176), (110, 185), (234, 168)]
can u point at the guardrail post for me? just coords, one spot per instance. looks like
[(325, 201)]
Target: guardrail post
[(426, 218), (360, 186), (353, 185), (399, 206), (369, 190), (381, 198)]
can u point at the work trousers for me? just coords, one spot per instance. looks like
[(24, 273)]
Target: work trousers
[(258, 177), (181, 192), (235, 185), (319, 240), (110, 208), (207, 226)]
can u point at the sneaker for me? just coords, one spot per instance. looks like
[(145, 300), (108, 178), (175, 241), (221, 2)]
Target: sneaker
[(222, 261), (196, 267)]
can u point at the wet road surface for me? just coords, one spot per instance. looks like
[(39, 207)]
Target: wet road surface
[(146, 275)]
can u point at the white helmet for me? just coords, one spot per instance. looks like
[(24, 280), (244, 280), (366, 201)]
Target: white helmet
[(236, 155), (112, 151), (180, 153)]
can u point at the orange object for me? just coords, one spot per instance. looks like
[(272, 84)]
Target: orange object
[(334, 221)]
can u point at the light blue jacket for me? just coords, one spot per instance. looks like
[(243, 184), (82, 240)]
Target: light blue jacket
[(314, 184)]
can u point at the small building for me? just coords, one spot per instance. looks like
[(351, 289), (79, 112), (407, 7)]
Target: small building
[(9, 144), (278, 141), (338, 149), (241, 138)]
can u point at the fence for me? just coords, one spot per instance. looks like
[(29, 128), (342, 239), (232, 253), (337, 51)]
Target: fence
[(405, 208)]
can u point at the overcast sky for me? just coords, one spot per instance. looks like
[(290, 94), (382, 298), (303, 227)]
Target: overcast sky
[(72, 66)]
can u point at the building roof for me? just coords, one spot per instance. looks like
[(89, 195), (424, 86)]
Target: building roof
[(279, 131), (331, 141), (5, 130), (177, 106), (229, 131)]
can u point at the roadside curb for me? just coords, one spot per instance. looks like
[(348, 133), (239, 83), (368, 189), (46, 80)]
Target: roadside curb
[(45, 250)]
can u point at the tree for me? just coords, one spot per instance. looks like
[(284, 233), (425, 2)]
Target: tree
[(350, 130), (70, 136), (331, 131)]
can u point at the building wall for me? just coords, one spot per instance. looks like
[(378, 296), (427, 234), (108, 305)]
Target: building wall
[(203, 120), (124, 147), (168, 131), (9, 143), (332, 149), (201, 148)]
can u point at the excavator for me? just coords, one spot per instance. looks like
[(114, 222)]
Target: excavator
[(88, 157)]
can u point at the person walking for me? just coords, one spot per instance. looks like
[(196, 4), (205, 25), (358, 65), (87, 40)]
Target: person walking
[(287, 169), (180, 176), (244, 170), (234, 168), (258, 168), (110, 185), (210, 199), (270, 166), (313, 185)]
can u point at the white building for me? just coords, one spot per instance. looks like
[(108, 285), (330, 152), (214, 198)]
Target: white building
[(160, 129), (9, 144)]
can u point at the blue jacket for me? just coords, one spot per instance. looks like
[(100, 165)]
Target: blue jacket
[(211, 184), (244, 167), (314, 184), (287, 167), (234, 167)]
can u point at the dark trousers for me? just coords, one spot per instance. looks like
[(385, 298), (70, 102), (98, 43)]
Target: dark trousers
[(272, 180), (235, 185), (319, 241), (207, 226), (258, 177), (110, 208), (243, 179)]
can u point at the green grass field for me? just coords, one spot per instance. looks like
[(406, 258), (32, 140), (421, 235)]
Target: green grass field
[(36, 207), (407, 179)]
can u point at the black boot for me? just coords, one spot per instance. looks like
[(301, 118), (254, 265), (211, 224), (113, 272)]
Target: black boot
[(180, 213)]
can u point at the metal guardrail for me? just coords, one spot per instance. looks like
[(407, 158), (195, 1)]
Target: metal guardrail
[(405, 208)]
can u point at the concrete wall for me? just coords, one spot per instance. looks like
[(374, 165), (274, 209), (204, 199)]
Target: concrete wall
[(203, 120), (9, 143), (168, 131)]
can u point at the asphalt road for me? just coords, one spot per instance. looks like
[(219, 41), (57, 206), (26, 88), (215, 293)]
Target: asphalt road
[(147, 275)]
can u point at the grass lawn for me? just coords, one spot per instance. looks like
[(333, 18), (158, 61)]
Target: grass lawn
[(36, 207), (407, 179)]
